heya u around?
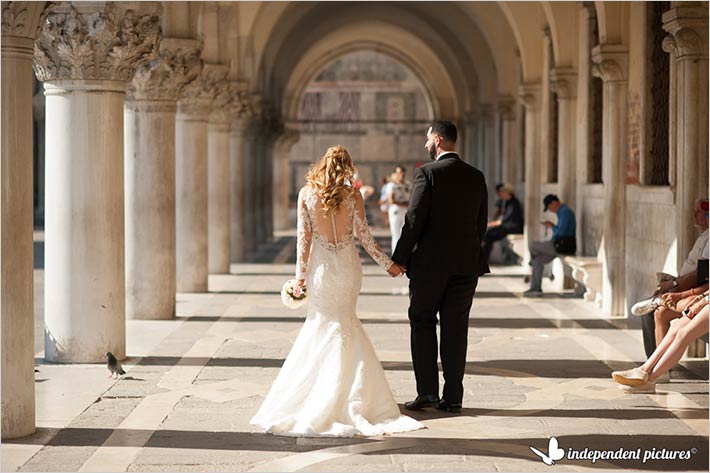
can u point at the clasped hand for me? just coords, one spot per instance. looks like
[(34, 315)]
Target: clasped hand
[(396, 270)]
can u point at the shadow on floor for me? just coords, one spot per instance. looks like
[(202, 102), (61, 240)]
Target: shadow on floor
[(695, 446)]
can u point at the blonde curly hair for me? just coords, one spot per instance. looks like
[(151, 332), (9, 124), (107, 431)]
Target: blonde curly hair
[(332, 177)]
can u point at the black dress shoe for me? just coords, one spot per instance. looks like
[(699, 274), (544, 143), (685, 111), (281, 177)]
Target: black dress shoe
[(449, 407), (422, 401)]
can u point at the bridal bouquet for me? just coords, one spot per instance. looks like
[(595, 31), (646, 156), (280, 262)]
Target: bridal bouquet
[(287, 295)]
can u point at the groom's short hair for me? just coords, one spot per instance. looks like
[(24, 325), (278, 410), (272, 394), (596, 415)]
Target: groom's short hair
[(445, 129)]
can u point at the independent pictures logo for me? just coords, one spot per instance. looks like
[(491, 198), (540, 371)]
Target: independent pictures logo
[(556, 453)]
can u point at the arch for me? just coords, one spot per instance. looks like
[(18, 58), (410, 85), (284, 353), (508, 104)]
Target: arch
[(612, 18), (527, 21), (563, 19), (438, 85), (499, 36), (467, 60)]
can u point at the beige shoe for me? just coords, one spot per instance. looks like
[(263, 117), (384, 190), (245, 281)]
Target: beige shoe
[(632, 377)]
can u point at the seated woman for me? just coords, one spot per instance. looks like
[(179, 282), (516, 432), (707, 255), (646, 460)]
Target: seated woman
[(672, 306), (692, 324)]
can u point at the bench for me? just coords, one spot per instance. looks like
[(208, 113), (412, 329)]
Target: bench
[(587, 272), (508, 251)]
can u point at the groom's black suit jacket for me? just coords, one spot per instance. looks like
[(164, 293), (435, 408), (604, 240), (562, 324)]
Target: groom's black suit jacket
[(446, 221)]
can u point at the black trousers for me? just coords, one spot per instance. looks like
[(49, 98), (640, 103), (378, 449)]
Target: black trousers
[(451, 298), (648, 327), (492, 235)]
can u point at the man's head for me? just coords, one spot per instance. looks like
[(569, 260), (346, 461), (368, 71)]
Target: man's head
[(506, 191), (398, 174), (552, 203), (499, 186), (700, 216), (440, 137)]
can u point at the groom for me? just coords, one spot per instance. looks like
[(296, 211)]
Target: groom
[(440, 248)]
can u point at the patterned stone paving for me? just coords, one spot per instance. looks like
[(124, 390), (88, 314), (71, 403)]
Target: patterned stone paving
[(536, 369)]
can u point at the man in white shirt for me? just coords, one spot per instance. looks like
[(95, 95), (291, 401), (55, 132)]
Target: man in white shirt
[(398, 194)]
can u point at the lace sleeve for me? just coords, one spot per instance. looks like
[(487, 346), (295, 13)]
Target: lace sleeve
[(365, 236), (304, 234)]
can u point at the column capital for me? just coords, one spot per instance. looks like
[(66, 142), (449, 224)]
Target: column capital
[(563, 81), (221, 105), (239, 105), (530, 95), (688, 28), (198, 96), (506, 106), (178, 63), (20, 26), (486, 112), (611, 62), (97, 41)]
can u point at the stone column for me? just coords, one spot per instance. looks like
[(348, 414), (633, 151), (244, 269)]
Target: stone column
[(77, 57), (191, 181), (274, 130), (506, 107), (583, 144), (251, 175), (611, 64), (545, 110), (530, 96), (282, 148), (564, 83), (19, 29), (489, 143), (470, 139), (237, 156), (219, 181), (688, 132), (149, 116)]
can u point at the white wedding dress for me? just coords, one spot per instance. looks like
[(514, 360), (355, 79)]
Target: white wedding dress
[(332, 383)]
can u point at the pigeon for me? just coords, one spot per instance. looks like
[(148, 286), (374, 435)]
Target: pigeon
[(113, 365)]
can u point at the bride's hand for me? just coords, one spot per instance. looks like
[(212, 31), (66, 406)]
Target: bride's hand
[(396, 270), (298, 287)]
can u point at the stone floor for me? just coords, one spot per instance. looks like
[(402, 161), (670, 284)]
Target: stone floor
[(536, 369)]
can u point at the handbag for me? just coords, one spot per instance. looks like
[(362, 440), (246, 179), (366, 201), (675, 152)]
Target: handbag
[(702, 272), (565, 245)]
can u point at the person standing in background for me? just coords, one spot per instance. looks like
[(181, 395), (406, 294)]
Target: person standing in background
[(398, 195)]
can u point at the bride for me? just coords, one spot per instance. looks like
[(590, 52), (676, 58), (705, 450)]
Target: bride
[(332, 383)]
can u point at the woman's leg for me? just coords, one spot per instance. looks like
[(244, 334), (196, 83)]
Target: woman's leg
[(691, 330), (664, 344), (662, 317)]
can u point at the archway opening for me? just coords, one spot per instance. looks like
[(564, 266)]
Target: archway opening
[(371, 103)]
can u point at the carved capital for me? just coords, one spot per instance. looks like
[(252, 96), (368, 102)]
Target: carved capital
[(222, 103), (21, 20), (506, 107), (177, 64), (530, 96), (611, 62), (486, 112), (563, 81), (97, 41), (669, 45), (288, 137), (240, 105), (688, 25), (197, 96)]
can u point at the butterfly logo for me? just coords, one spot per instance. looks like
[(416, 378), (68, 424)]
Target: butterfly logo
[(554, 452)]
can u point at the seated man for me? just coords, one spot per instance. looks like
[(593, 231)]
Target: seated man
[(563, 242), (688, 279), (509, 221)]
